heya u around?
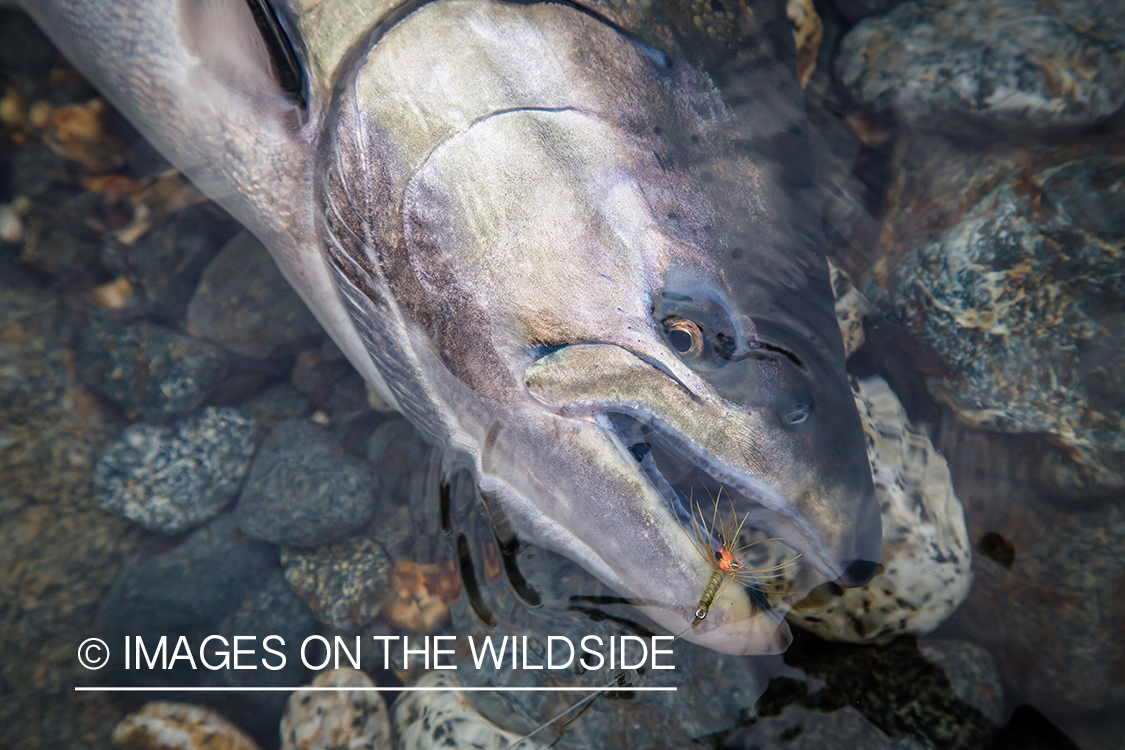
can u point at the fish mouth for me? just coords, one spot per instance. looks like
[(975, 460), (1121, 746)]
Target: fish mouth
[(691, 486), (661, 444)]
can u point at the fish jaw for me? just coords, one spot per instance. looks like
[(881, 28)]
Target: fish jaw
[(591, 506), (774, 476)]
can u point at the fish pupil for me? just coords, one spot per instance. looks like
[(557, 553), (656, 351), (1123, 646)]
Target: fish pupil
[(681, 341)]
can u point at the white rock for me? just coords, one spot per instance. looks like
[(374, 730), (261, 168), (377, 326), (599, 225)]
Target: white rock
[(179, 726), (426, 720), (336, 720)]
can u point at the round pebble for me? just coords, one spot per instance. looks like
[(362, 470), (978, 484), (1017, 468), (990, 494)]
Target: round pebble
[(344, 583), (302, 491), (169, 479), (319, 720)]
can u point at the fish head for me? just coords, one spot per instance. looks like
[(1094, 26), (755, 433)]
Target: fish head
[(633, 369)]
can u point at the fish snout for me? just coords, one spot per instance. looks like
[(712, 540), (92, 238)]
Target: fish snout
[(867, 545)]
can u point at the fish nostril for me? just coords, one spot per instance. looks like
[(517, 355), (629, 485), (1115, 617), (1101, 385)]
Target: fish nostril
[(799, 414), (858, 572)]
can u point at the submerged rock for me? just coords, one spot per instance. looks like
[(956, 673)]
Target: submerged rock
[(1006, 264), (356, 720), (1049, 608), (799, 728), (244, 304), (324, 375), (179, 726), (302, 491), (907, 696), (165, 265), (185, 590), (400, 457), (277, 403), (171, 478), (424, 720), (972, 674), (345, 584), (964, 65), (149, 370)]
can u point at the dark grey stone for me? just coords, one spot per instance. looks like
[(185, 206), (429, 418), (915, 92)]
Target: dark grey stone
[(1012, 65), (172, 478), (165, 265), (244, 303), (302, 491), (276, 403), (56, 244), (972, 673), (149, 370), (272, 609), (324, 375), (400, 458), (854, 10), (187, 589), (798, 728), (34, 170)]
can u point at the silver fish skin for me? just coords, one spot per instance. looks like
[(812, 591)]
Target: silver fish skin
[(496, 209)]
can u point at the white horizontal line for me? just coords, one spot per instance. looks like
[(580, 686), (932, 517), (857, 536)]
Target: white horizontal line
[(369, 689)]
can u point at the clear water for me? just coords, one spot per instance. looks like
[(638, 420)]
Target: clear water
[(1006, 361)]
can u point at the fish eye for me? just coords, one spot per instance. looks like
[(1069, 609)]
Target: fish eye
[(685, 336)]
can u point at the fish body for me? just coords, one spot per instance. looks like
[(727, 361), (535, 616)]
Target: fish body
[(507, 215)]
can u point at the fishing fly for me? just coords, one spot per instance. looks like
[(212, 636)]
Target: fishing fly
[(718, 544)]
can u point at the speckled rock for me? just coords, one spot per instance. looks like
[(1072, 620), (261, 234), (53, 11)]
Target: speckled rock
[(303, 492), (972, 674), (171, 478), (345, 583), (423, 720), (895, 687), (1007, 265), (927, 556), (420, 595), (337, 720), (244, 303), (165, 265), (851, 309), (179, 726), (956, 65), (798, 728), (149, 370), (1051, 612)]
